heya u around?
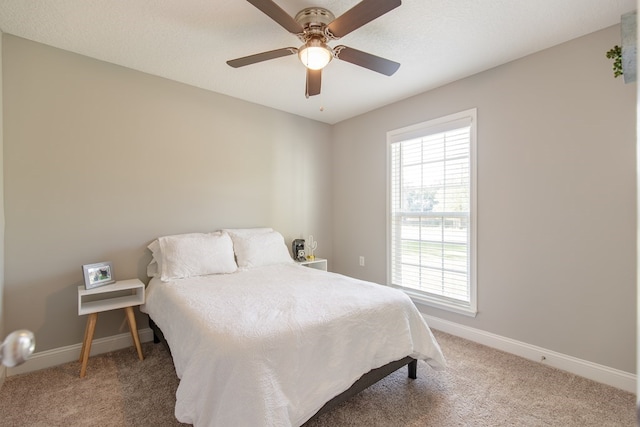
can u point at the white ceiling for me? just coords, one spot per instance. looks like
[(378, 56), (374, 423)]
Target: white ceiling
[(436, 41)]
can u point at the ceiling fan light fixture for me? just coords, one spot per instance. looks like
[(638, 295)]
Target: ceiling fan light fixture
[(315, 54)]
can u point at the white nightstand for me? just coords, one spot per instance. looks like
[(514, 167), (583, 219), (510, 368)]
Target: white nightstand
[(122, 294), (318, 264)]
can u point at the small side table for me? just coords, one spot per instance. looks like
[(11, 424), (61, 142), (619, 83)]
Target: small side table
[(121, 294), (317, 263)]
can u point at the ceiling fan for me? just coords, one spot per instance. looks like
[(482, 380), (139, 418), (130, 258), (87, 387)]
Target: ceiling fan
[(315, 26)]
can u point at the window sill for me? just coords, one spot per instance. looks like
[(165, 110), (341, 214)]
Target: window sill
[(453, 306)]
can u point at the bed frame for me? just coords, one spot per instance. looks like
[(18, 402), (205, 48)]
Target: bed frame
[(364, 382)]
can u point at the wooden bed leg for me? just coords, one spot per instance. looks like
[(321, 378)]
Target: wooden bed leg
[(413, 369)]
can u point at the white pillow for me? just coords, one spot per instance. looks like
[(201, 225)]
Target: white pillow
[(259, 249), (196, 254), (153, 269), (247, 231)]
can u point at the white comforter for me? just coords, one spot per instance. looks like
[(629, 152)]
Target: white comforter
[(271, 345)]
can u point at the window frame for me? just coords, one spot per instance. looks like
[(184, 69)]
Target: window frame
[(420, 130)]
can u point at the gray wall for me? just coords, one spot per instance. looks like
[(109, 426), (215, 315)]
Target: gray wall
[(100, 160), (556, 198)]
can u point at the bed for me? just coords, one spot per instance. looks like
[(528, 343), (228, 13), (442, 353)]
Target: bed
[(259, 340)]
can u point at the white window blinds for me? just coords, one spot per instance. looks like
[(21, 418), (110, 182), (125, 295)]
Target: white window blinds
[(432, 211)]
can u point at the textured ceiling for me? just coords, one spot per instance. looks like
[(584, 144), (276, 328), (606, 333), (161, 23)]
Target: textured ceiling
[(436, 41)]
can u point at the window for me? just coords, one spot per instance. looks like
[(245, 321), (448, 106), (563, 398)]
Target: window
[(432, 211)]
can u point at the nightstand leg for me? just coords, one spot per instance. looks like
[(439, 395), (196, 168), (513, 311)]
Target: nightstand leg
[(84, 340), (86, 345), (134, 331)]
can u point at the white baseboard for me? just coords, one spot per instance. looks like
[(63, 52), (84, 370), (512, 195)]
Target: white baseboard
[(58, 356), (593, 371), (600, 373)]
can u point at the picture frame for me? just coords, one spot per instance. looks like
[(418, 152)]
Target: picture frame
[(98, 274)]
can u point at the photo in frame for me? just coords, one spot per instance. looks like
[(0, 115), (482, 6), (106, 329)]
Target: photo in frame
[(98, 274)]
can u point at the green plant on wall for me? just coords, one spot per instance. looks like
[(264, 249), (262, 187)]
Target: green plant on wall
[(616, 54)]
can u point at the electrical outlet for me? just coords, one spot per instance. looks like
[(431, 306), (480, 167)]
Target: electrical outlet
[(361, 261)]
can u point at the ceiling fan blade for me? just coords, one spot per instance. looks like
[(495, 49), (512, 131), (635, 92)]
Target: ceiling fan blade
[(314, 80), (259, 57), (362, 13), (366, 60), (276, 13)]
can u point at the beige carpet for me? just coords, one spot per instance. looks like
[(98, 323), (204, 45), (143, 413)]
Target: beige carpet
[(481, 387)]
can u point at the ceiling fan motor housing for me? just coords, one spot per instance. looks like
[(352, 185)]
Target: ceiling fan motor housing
[(314, 20)]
